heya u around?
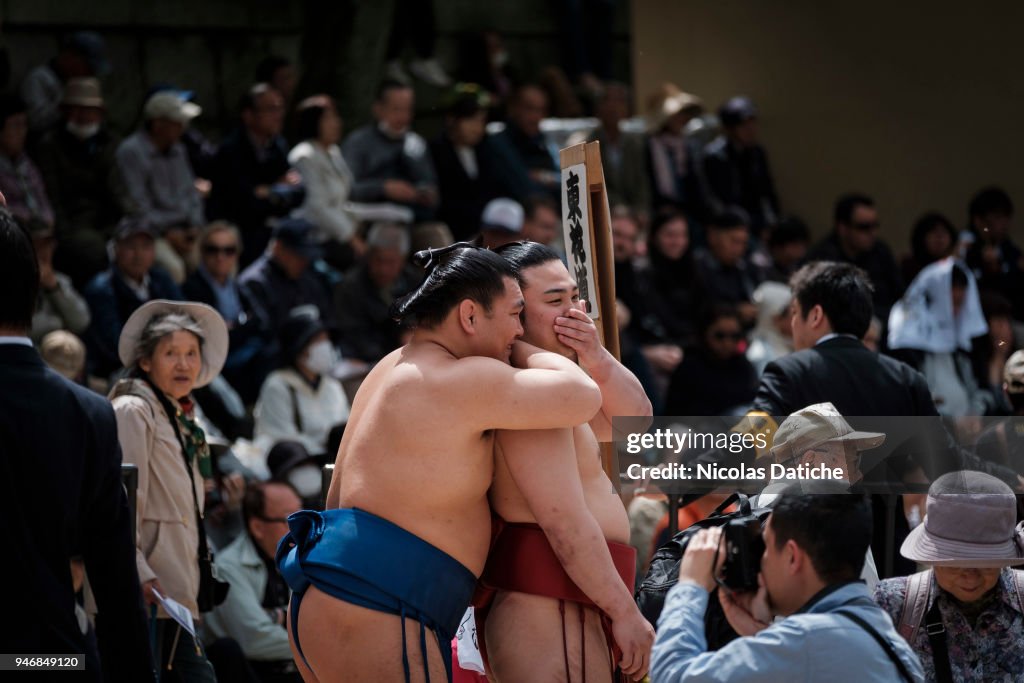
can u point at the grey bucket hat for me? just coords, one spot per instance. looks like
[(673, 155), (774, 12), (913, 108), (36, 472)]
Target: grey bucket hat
[(969, 522)]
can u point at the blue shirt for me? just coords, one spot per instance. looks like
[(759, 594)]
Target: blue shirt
[(807, 647), (228, 303)]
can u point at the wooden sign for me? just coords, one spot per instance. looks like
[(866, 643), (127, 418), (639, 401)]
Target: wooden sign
[(586, 225)]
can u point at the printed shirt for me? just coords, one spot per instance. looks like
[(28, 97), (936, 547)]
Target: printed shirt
[(990, 652)]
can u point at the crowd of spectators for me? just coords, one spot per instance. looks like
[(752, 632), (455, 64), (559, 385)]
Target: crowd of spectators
[(299, 237)]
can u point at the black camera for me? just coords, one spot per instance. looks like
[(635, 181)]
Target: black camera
[(744, 546)]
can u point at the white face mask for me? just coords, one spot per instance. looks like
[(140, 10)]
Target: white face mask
[(83, 132), (321, 357), (306, 481)]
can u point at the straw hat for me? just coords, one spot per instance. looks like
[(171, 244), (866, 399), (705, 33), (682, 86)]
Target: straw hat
[(667, 101), (215, 334), (83, 92), (969, 522)]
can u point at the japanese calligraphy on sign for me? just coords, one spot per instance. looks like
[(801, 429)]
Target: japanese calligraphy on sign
[(576, 228)]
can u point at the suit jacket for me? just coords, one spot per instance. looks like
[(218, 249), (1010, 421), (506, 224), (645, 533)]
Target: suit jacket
[(61, 496), (860, 382)]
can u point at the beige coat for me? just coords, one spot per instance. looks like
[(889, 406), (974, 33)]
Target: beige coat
[(167, 540)]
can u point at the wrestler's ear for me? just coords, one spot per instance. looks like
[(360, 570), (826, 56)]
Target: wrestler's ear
[(468, 313)]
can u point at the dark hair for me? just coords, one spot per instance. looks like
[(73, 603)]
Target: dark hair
[(268, 66), (249, 99), (659, 221), (841, 289), (729, 219), (517, 94), (526, 254), (254, 500), (847, 204), (9, 106), (960, 277), (19, 274), (834, 529), (388, 85), (711, 314), (788, 231), (537, 201), (989, 200), (454, 273), (308, 115), (925, 225)]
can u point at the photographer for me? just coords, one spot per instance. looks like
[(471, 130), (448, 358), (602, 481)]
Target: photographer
[(814, 551)]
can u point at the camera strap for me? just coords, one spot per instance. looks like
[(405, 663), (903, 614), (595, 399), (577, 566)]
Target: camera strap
[(886, 645), (204, 548)]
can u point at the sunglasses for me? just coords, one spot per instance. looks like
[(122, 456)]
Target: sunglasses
[(213, 249), (866, 226), (731, 336)]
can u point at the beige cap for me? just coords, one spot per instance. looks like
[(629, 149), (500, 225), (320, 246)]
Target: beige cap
[(64, 352), (168, 105), (1013, 373), (667, 101), (814, 425), (83, 92)]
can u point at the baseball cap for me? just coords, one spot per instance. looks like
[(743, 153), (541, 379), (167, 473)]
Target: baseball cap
[(736, 110), (814, 425), (93, 49), (298, 234), (502, 214), (1013, 373), (170, 105), (133, 225)]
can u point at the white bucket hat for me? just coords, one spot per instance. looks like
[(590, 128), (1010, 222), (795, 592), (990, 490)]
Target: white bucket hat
[(215, 334)]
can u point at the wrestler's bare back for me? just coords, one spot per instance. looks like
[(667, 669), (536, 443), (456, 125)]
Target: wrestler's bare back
[(406, 457)]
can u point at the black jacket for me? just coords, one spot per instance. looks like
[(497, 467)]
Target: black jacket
[(61, 496), (366, 330), (463, 198), (235, 173), (739, 178)]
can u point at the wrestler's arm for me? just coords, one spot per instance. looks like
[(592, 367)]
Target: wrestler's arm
[(621, 392), (543, 466), (545, 390)]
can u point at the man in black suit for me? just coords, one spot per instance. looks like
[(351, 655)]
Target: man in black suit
[(832, 309), (60, 496)]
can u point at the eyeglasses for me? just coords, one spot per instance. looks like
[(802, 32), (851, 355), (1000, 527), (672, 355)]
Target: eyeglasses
[(213, 250), (866, 226), (723, 336), (282, 520)]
